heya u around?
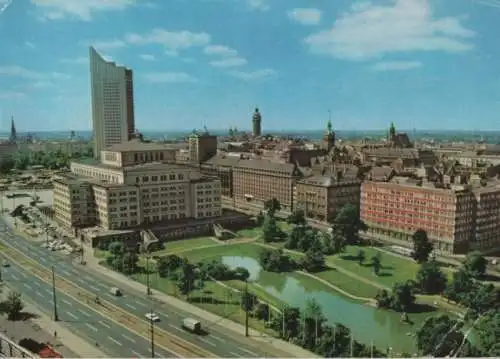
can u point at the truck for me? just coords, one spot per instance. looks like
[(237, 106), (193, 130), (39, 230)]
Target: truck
[(192, 325)]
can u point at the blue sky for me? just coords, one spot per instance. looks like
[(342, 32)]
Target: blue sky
[(429, 64)]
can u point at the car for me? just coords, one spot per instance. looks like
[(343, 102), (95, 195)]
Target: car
[(153, 317), (6, 264)]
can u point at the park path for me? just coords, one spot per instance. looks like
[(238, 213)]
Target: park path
[(217, 243)]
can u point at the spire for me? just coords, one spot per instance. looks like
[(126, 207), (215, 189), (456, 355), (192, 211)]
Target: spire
[(13, 133), (392, 130)]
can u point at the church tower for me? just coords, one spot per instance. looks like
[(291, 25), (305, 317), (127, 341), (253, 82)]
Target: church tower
[(329, 137), (13, 132), (257, 123)]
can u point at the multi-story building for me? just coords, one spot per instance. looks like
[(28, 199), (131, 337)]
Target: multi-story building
[(202, 146), (112, 103), (256, 181), (321, 197), (134, 185), (397, 209), (256, 123), (487, 230)]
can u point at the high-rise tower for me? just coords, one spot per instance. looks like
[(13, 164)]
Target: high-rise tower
[(257, 123), (112, 94), (13, 132)]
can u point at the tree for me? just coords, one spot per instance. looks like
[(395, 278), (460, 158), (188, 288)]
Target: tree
[(459, 287), (294, 237), (348, 223), (272, 206), (488, 333), (287, 324), (130, 263), (248, 301), (261, 311), (314, 260), (439, 336), (313, 322), (430, 278), (274, 260), (260, 219), (376, 263), (361, 256), (422, 246), (168, 264), (241, 273), (187, 278), (384, 299), (297, 217), (270, 230), (402, 296), (14, 305), (475, 264)]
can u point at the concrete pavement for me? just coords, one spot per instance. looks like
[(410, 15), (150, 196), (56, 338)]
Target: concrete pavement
[(219, 342)]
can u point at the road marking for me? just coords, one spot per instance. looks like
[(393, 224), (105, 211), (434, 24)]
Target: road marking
[(208, 342), (66, 302), (130, 306), (72, 315), (14, 277), (128, 338), (176, 328), (249, 352), (94, 288), (91, 327), (27, 286), (66, 272), (42, 259), (217, 338), (141, 303), (236, 355), (139, 355), (84, 313), (40, 294), (115, 341), (80, 280), (104, 324), (89, 278), (36, 283)]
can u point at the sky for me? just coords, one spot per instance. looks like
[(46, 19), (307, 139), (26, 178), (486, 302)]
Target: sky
[(424, 64)]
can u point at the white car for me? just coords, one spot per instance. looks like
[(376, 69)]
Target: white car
[(153, 317)]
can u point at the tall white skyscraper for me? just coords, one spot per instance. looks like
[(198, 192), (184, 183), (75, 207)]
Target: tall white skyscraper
[(112, 102)]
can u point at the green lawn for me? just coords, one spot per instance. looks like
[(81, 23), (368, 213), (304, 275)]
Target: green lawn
[(394, 268), (250, 232), (185, 245), (347, 283)]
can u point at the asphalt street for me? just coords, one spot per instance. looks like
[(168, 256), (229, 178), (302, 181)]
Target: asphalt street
[(218, 342), (88, 324)]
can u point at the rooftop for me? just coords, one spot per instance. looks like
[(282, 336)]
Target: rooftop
[(136, 145)]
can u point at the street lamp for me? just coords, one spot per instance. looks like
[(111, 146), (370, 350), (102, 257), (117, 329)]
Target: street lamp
[(152, 329), (56, 317), (148, 285)]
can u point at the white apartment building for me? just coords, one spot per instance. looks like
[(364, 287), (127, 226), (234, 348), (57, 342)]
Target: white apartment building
[(134, 184), (112, 103)]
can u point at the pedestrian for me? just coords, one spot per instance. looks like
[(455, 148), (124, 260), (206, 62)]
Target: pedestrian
[(55, 334)]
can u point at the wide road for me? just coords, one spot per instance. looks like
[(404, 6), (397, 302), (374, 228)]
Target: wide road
[(124, 315)]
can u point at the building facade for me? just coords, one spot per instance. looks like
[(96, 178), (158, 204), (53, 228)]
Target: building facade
[(256, 181), (201, 147), (131, 188), (112, 96), (321, 197), (397, 209), (256, 123)]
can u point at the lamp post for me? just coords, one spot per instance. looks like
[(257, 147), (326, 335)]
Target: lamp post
[(152, 329), (148, 285), (56, 317), (246, 307)]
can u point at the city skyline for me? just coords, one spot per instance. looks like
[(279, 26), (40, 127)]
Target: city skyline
[(414, 62)]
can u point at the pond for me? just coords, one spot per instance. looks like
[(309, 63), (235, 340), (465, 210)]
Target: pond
[(368, 324)]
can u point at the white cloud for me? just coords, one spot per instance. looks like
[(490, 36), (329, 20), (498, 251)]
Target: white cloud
[(261, 5), (147, 57), (107, 45), (79, 60), (305, 16), (490, 3), (396, 65), (369, 31), (172, 41), (11, 95), (220, 50), (4, 4), (78, 9), (171, 53), (230, 62), (18, 71), (253, 75), (169, 77), (29, 44)]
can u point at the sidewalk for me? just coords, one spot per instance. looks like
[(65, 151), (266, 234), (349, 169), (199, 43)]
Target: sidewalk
[(41, 329), (238, 329)]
